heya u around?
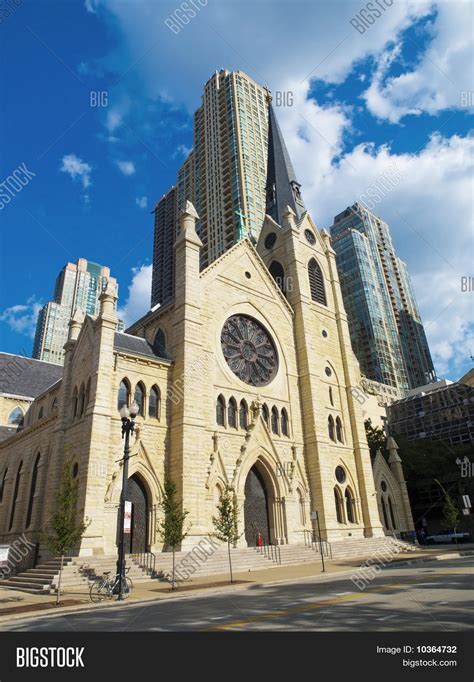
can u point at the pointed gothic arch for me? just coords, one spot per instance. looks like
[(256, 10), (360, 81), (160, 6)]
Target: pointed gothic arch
[(278, 273), (316, 282)]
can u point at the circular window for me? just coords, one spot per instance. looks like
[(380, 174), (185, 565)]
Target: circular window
[(383, 485), (327, 371), (340, 474), (270, 240), (310, 237), (249, 350), (248, 275), (324, 333)]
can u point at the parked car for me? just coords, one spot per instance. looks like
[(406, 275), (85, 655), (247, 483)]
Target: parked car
[(447, 537)]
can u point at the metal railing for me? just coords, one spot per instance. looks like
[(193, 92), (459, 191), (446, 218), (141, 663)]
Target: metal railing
[(146, 561), (312, 539), (271, 552)]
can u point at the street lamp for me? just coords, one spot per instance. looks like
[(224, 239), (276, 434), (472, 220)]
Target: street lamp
[(127, 415)]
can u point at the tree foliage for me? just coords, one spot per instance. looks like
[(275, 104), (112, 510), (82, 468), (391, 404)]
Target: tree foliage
[(66, 528), (376, 437)]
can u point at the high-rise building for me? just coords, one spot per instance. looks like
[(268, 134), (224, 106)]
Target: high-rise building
[(224, 176), (78, 285), (386, 330)]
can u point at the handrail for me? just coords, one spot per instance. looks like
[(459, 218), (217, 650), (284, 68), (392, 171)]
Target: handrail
[(311, 539), (146, 561), (271, 552)]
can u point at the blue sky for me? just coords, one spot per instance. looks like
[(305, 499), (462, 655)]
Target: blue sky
[(363, 103)]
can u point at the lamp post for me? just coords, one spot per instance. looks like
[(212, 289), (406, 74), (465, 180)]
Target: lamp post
[(127, 416)]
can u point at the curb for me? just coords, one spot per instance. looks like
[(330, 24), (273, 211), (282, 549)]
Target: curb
[(199, 591)]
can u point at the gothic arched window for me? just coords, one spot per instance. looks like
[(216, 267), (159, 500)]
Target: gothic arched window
[(275, 420), (15, 495), (16, 416), (243, 415), (350, 506), (284, 423), (278, 274), (74, 403), (31, 500), (339, 430), (40, 413), (220, 411), (331, 429), (154, 403), (266, 414), (123, 397), (392, 515), (139, 398), (81, 401), (316, 282), (232, 414), (88, 394), (331, 398), (159, 344), (385, 517), (2, 484), (339, 505)]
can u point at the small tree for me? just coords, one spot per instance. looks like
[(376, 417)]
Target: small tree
[(225, 524), (66, 528), (171, 528), (376, 437), (450, 512)]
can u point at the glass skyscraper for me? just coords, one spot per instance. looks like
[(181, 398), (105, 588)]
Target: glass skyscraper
[(78, 285), (224, 176), (386, 330)]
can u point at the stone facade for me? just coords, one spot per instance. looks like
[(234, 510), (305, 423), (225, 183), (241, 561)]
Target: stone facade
[(284, 437)]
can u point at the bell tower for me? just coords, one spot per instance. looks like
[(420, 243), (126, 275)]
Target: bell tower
[(302, 262)]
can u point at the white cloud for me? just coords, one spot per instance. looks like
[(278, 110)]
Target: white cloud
[(141, 202), (181, 150), (22, 318), (77, 169), (114, 120), (126, 167), (428, 213), (139, 294), (91, 6), (440, 76)]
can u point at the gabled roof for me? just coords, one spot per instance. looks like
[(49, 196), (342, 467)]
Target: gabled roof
[(26, 376), (136, 345)]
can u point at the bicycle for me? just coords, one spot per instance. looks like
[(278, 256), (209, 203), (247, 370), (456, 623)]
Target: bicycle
[(107, 588)]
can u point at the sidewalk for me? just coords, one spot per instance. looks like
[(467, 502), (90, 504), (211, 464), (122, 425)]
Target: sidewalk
[(15, 604)]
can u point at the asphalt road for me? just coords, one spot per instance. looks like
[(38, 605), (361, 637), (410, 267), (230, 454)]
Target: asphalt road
[(435, 596)]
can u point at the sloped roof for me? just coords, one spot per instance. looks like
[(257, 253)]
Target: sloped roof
[(26, 376), (135, 345)]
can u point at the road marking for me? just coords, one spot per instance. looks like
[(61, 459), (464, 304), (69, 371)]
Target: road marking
[(218, 617), (275, 615), (387, 617), (341, 594)]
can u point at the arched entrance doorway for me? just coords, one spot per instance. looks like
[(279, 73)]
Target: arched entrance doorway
[(137, 539), (256, 517)]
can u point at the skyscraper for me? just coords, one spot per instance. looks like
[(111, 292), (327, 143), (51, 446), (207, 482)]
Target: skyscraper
[(78, 285), (224, 176), (386, 330)]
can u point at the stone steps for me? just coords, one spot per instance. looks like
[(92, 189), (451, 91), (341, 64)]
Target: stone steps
[(81, 571)]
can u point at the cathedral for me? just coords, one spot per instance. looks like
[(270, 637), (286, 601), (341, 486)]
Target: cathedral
[(246, 381)]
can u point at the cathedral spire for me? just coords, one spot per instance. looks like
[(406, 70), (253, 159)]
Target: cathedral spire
[(282, 188)]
